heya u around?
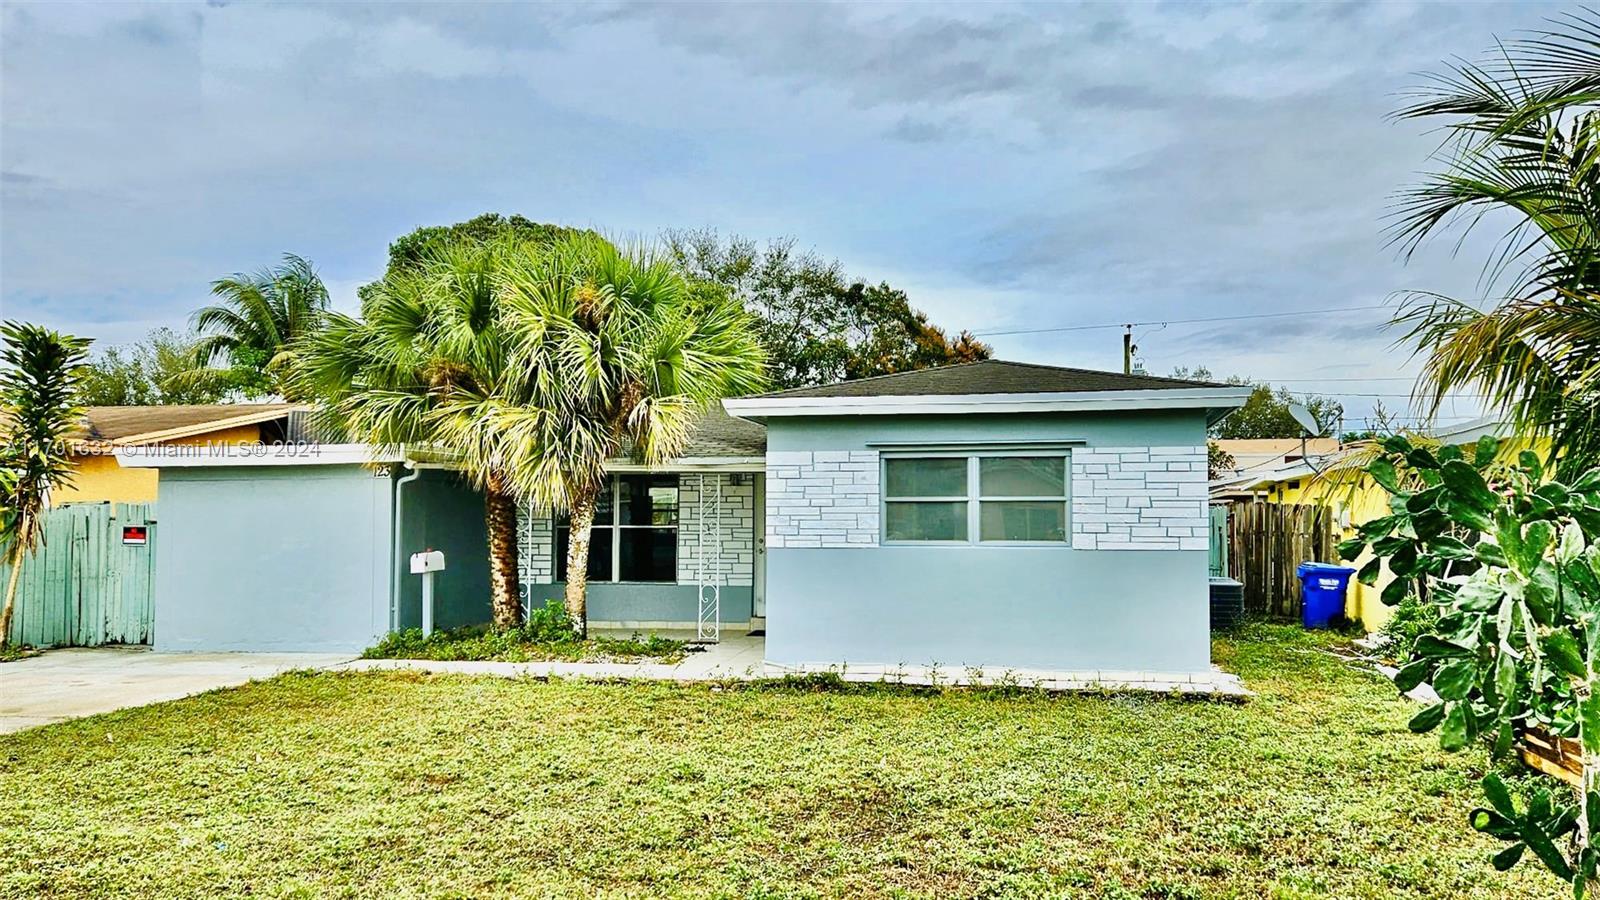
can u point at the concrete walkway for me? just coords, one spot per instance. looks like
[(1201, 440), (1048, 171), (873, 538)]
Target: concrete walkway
[(68, 683), (743, 658)]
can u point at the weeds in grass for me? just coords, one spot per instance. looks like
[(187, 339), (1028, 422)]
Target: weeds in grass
[(14, 652)]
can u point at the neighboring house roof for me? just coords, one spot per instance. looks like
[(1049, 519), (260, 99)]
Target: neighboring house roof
[(154, 424), (989, 376), (993, 386), (717, 440), (1259, 455), (1470, 431), (1279, 447), (719, 434)]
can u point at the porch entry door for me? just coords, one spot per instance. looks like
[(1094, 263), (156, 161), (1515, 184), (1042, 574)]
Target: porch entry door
[(758, 541)]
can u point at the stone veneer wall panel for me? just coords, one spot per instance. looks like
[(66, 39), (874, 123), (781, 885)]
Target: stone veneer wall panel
[(1140, 498), (822, 498)]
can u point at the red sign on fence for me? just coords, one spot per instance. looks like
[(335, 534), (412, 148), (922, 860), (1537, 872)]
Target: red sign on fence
[(135, 534)]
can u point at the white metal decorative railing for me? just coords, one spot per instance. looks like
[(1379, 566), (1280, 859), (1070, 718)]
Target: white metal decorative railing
[(708, 559)]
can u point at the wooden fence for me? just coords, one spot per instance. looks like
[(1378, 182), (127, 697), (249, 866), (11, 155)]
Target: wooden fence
[(1266, 542), (85, 586)]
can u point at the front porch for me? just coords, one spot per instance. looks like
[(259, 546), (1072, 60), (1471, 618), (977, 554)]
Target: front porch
[(672, 550)]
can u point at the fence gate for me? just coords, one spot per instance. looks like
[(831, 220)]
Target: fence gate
[(1266, 542), (90, 581), (1219, 541)]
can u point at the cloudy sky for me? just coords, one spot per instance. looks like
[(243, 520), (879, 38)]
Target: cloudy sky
[(1012, 167)]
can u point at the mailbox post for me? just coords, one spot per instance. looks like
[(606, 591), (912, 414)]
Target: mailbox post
[(425, 564)]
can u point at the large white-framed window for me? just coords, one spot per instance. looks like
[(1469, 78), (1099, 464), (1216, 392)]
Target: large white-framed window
[(976, 497), (635, 533)]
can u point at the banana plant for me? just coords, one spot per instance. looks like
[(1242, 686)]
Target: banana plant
[(1511, 558)]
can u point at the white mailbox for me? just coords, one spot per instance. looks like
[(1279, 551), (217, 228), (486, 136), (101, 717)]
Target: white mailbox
[(425, 564), (427, 561)]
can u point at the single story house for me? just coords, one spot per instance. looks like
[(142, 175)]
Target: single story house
[(992, 514)]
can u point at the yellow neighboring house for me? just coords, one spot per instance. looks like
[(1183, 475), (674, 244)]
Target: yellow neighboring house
[(108, 429), (1334, 478)]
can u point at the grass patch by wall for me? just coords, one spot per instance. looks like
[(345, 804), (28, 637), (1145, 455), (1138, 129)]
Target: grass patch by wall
[(415, 785), (547, 635)]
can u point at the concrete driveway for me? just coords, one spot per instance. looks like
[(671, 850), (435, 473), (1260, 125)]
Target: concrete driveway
[(68, 683)]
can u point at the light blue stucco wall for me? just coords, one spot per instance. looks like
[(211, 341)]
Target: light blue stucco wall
[(995, 607), (273, 559), (677, 604)]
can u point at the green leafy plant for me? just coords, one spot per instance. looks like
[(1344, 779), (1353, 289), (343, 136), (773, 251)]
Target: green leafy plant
[(40, 373), (1510, 560), (547, 635), (1412, 618)]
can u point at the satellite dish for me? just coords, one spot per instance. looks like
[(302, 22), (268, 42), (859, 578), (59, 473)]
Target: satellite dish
[(1305, 418)]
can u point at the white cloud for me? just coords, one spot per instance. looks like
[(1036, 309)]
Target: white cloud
[(1006, 164)]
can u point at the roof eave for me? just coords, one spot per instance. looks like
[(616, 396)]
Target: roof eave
[(189, 456), (1217, 401)]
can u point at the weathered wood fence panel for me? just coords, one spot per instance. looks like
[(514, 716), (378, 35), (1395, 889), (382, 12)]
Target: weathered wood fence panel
[(1266, 542), (84, 586)]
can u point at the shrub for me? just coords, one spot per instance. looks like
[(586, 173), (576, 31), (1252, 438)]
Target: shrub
[(546, 635), (549, 625), (1412, 618)]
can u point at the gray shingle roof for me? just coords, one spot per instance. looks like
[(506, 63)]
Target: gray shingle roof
[(719, 434), (990, 376)]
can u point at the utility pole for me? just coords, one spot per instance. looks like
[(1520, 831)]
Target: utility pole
[(1127, 350)]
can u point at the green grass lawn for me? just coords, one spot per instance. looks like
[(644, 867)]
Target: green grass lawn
[(403, 784)]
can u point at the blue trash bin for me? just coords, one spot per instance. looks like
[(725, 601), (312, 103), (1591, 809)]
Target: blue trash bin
[(1322, 589)]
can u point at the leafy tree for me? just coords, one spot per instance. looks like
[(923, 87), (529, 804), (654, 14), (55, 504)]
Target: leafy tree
[(159, 370), (39, 372), (252, 331), (1266, 413), (413, 251), (1522, 141), (1511, 562), (430, 353), (616, 356), (818, 326), (1219, 462)]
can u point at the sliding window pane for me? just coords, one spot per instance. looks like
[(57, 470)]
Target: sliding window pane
[(1022, 520), (925, 521), (931, 477), (647, 499), (599, 553), (1022, 476), (649, 554)]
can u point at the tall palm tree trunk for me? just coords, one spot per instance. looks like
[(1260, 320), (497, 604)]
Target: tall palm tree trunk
[(581, 517), (16, 554), (500, 516)]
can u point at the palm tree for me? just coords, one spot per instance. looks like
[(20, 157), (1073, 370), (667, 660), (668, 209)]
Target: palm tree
[(613, 356), (1522, 147), (39, 409), (259, 319), (431, 346)]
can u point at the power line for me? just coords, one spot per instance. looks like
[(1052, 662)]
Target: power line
[(1303, 312)]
